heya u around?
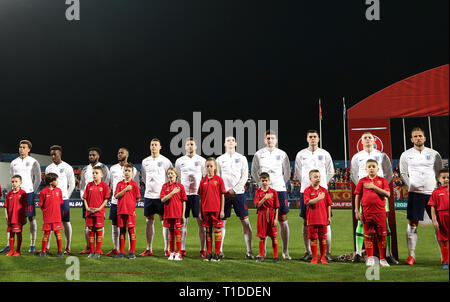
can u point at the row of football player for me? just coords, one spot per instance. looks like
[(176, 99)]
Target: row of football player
[(276, 162)]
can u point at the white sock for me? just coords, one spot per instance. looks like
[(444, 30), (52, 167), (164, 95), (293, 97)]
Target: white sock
[(411, 239), (165, 232), (7, 238), (247, 230), (306, 240), (183, 235), (149, 232), (201, 235), (86, 236), (115, 237), (223, 234), (49, 239), (33, 231), (328, 252), (284, 226), (68, 233)]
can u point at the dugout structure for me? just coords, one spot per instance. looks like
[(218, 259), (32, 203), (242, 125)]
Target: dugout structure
[(422, 95)]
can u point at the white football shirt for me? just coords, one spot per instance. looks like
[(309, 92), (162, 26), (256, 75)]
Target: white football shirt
[(30, 171), (87, 177), (306, 161), (276, 164), (66, 177), (154, 175), (358, 165), (191, 170), (419, 169), (234, 171)]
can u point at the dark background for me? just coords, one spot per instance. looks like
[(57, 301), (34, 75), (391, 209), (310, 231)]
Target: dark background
[(127, 69)]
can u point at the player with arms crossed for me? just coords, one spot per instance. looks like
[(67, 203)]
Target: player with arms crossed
[(116, 176), (153, 171), (66, 182), (275, 162), (191, 169), (313, 158), (358, 171), (419, 168), (233, 168), (29, 169), (87, 177)]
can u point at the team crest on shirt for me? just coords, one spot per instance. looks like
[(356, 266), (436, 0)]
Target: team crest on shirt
[(278, 157), (320, 157), (57, 194), (377, 158), (27, 164), (61, 170), (236, 160), (197, 163), (215, 182), (160, 164), (100, 189), (428, 157), (379, 182)]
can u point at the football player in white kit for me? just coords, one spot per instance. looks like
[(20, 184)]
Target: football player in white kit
[(116, 176), (87, 177), (419, 168), (313, 158), (191, 169), (66, 182), (154, 175), (233, 168), (358, 171), (275, 162), (30, 171)]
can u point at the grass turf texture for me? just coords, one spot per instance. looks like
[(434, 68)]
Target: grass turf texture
[(233, 268)]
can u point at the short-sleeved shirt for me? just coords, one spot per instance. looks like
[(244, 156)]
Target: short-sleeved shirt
[(127, 203), (95, 195), (16, 205), (173, 208), (439, 199), (317, 214), (271, 203), (371, 201), (210, 191), (50, 202)]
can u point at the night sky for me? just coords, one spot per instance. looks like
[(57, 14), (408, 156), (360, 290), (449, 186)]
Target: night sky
[(127, 69)]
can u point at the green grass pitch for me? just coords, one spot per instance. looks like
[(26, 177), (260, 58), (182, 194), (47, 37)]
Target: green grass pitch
[(233, 268)]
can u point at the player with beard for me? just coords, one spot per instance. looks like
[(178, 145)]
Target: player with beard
[(116, 176), (87, 177), (419, 168)]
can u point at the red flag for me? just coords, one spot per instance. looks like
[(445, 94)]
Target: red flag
[(320, 111)]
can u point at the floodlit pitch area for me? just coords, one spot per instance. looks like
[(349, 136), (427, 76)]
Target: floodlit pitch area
[(234, 267)]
